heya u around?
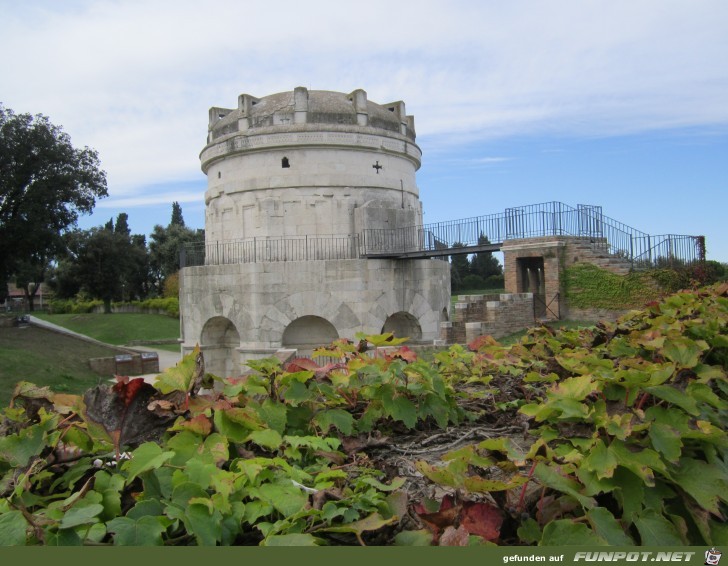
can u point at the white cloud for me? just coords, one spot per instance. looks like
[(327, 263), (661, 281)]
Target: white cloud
[(134, 79)]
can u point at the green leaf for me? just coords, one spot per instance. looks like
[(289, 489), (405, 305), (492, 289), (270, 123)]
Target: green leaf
[(600, 461), (216, 445), (529, 531), (64, 537), (707, 484), (422, 537), (684, 351), (204, 523), (148, 456), (439, 474), (642, 463), (295, 539), (233, 430), (145, 531), (184, 445), (267, 438), (630, 491), (568, 533), (273, 414), (288, 499), (656, 530), (187, 491), (676, 397), (371, 523), (401, 409), (110, 487), (551, 477), (297, 393), (178, 378), (666, 440), (146, 508), (81, 515), (12, 529), (396, 483), (340, 419), (477, 484), (18, 449), (607, 527)]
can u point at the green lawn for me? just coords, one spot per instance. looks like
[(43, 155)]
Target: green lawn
[(119, 328), (46, 358)]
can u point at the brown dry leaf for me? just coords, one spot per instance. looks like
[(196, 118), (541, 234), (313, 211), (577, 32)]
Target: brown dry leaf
[(454, 537)]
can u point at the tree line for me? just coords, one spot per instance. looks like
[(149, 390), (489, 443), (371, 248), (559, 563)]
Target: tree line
[(112, 264), (45, 185), (480, 271)]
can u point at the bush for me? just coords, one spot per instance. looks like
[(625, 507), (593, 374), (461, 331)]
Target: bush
[(472, 282), (70, 306), (170, 305)]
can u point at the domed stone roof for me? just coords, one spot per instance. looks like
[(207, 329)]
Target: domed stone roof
[(303, 108)]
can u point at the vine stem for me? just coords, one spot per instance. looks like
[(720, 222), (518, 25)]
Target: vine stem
[(642, 400), (522, 499)]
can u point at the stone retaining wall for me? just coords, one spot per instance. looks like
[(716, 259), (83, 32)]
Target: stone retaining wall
[(494, 315)]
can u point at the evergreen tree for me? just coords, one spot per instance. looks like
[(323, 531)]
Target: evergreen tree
[(484, 264), (459, 268), (166, 244), (177, 219)]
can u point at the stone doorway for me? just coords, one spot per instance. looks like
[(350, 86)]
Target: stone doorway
[(531, 279)]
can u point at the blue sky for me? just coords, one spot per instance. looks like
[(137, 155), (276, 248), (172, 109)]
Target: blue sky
[(618, 103)]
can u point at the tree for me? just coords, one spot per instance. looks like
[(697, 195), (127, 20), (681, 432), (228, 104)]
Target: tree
[(45, 183), (99, 263), (177, 219), (484, 264), (165, 246), (459, 268)]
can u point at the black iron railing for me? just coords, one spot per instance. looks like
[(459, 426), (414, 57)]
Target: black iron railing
[(537, 221), (254, 250), (638, 248)]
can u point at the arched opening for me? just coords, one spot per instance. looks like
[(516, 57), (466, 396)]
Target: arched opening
[(403, 325), (309, 332), (285, 163), (443, 315), (219, 342)]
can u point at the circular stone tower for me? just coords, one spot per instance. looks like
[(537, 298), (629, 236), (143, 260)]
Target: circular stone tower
[(294, 181)]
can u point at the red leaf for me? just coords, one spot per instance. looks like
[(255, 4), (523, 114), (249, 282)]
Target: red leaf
[(404, 353), (481, 519), (199, 424), (445, 517), (301, 364), (127, 389), (481, 342)]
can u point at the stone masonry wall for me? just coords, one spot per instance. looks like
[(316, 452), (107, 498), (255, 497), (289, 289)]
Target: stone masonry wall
[(494, 315)]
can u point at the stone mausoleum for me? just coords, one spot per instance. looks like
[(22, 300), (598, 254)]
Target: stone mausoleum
[(295, 180)]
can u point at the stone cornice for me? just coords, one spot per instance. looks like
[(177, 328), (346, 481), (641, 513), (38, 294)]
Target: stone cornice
[(344, 138)]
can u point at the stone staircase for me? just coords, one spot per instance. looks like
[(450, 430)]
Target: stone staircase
[(586, 250)]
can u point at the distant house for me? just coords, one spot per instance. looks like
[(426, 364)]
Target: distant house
[(16, 302)]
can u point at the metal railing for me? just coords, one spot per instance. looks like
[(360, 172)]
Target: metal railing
[(586, 222), (538, 221), (254, 250)]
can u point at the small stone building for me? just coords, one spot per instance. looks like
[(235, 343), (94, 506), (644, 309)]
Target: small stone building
[(294, 180)]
